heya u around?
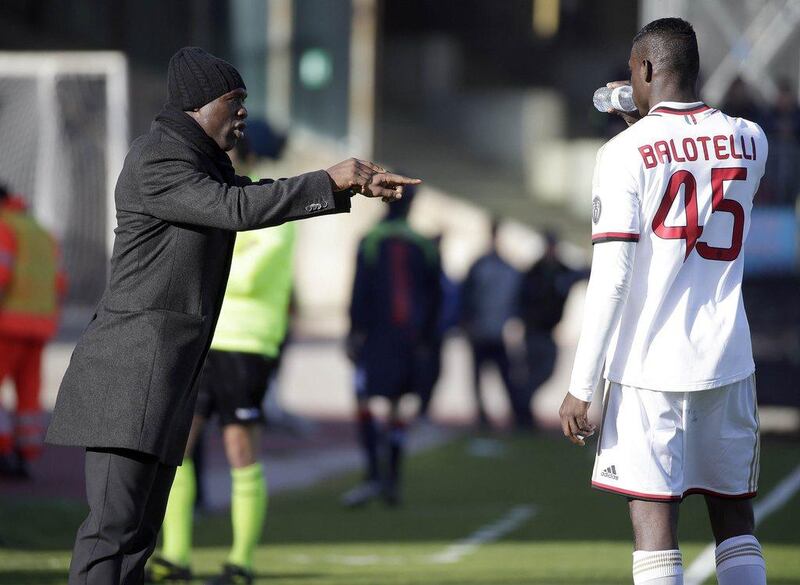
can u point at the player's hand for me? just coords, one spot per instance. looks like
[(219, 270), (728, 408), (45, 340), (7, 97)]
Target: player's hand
[(369, 179), (629, 117), (574, 419)]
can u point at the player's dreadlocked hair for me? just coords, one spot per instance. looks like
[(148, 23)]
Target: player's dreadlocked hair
[(671, 45)]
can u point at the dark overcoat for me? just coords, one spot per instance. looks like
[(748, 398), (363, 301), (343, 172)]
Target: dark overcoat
[(131, 380)]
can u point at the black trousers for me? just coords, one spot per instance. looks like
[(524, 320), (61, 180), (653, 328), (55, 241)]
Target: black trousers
[(542, 355), (494, 352), (127, 492)]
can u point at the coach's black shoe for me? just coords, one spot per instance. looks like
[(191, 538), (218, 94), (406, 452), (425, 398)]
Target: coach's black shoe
[(362, 494), (162, 571), (233, 575)]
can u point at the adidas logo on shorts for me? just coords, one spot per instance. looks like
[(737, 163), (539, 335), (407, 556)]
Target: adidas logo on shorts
[(610, 472)]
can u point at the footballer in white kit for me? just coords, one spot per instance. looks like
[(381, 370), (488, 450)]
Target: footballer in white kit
[(671, 205), (680, 183)]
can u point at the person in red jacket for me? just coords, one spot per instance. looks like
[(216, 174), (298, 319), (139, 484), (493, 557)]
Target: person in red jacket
[(31, 285)]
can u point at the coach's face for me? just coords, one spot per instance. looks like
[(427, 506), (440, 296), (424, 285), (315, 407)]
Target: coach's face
[(641, 74), (223, 118)]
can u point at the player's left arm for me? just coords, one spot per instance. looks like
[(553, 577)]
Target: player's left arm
[(612, 269)]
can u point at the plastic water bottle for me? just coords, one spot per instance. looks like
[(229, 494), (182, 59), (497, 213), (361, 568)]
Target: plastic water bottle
[(619, 98)]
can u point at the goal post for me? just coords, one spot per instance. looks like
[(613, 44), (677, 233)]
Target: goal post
[(64, 120)]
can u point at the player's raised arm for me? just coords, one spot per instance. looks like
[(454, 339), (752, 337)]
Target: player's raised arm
[(630, 118)]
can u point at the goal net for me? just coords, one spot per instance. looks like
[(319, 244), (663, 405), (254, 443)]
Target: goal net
[(64, 129)]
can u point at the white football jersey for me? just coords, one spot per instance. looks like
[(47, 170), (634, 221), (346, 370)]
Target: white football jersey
[(680, 183)]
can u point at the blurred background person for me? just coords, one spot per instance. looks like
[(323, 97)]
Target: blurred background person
[(243, 359), (448, 321), (32, 286), (739, 102), (543, 294), (489, 301), (782, 126), (394, 316)]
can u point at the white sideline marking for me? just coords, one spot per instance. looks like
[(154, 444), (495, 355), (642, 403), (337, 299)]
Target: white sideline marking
[(349, 560), (363, 560), (515, 518), (705, 565)]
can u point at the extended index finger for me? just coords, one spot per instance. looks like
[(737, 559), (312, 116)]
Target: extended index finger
[(613, 84), (394, 180)]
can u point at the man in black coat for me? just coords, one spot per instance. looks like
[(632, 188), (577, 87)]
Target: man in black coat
[(129, 392)]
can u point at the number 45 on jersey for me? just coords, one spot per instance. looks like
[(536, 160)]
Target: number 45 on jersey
[(692, 231)]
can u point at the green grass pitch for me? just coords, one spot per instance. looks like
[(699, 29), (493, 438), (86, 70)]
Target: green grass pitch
[(574, 536)]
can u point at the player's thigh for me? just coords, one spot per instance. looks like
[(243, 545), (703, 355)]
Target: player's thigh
[(640, 445), (385, 376), (722, 442)]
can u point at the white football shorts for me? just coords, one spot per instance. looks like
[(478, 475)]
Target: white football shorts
[(663, 446)]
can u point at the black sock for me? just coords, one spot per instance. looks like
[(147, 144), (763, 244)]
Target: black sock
[(397, 440), (369, 436)]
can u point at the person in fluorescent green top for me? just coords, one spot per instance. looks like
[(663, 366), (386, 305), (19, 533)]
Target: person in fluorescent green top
[(255, 313), (244, 354)]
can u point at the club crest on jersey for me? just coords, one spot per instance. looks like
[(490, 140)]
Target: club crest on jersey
[(597, 209)]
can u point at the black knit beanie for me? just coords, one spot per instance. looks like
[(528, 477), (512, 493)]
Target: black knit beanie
[(196, 77)]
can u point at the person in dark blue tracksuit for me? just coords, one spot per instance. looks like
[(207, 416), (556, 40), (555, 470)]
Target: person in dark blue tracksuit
[(394, 318), (449, 313)]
